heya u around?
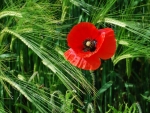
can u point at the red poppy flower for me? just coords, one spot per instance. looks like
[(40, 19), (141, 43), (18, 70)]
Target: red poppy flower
[(88, 44)]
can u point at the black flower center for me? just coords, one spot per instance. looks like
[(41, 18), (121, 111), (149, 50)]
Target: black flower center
[(89, 45)]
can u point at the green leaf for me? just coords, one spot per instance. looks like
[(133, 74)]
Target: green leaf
[(24, 107), (146, 98), (103, 89)]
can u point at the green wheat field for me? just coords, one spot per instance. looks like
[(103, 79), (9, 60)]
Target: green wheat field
[(35, 77)]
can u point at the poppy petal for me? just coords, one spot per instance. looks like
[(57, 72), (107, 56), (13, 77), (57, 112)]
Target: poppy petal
[(108, 47), (81, 32), (90, 63)]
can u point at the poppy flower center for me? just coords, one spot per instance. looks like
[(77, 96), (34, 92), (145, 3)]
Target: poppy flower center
[(89, 45)]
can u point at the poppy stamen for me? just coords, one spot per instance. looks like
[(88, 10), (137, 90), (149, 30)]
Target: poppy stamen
[(89, 45)]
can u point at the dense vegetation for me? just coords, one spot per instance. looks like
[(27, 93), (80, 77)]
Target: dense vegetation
[(36, 78)]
